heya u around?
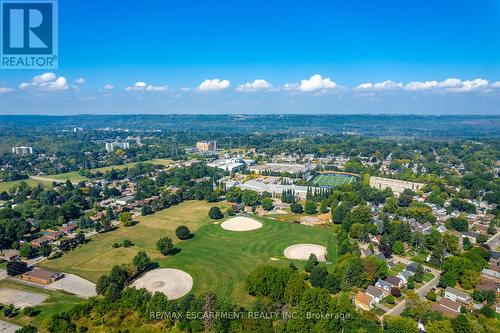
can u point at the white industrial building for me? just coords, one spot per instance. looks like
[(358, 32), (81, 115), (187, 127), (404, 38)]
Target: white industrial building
[(274, 189)]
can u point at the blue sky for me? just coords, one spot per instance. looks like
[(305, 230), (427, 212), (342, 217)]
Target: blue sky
[(154, 56)]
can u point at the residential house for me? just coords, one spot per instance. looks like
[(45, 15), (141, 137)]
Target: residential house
[(456, 295), (405, 276), (425, 228), (384, 285), (9, 255), (40, 241), (442, 229), (53, 235), (447, 307), (68, 228), (375, 293), (395, 281), (412, 267), (491, 274), (363, 301)]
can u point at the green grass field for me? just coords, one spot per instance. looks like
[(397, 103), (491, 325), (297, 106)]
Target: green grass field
[(219, 260), (55, 303), (6, 186), (75, 176), (333, 180)]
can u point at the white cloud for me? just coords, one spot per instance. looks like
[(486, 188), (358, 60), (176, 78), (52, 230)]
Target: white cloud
[(46, 82), (108, 87), (457, 85), (448, 85), (142, 86), (4, 90), (384, 85), (416, 85), (214, 84), (496, 84), (45, 77), (256, 85), (80, 80), (314, 83)]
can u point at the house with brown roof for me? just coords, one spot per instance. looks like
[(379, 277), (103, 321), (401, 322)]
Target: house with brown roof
[(68, 229), (447, 307), (53, 235), (40, 241), (395, 281), (363, 301), (9, 254), (41, 275)]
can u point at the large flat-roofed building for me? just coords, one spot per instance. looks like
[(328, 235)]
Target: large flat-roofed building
[(229, 164), (274, 189), (22, 150), (204, 146), (397, 186), (281, 168)]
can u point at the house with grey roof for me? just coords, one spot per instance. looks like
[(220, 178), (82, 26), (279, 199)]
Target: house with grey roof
[(384, 285), (456, 295), (405, 276), (376, 293)]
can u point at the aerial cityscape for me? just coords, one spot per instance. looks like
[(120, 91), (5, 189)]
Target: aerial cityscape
[(250, 167)]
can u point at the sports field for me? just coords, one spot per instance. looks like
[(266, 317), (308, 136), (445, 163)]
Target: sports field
[(218, 260), (333, 179)]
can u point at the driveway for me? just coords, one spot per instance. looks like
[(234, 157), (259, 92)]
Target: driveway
[(74, 284), (422, 291)]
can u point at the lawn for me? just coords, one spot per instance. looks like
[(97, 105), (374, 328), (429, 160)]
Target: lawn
[(75, 176), (333, 180), (219, 260), (96, 258), (55, 303), (6, 186)]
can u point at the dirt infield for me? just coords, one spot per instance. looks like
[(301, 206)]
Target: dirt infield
[(302, 251), (19, 298), (241, 223), (172, 282)]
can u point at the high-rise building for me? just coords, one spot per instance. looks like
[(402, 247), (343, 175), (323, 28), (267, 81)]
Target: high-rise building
[(22, 150), (111, 146), (203, 146)]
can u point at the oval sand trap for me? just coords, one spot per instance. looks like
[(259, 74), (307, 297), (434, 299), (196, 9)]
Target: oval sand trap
[(172, 282), (302, 251), (241, 223)]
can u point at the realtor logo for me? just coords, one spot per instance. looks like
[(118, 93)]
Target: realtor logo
[(29, 34)]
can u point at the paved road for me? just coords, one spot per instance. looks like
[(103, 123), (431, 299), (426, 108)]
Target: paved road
[(6, 327), (422, 291)]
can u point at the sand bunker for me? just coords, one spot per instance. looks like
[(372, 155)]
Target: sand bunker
[(302, 251), (241, 223), (172, 282)]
